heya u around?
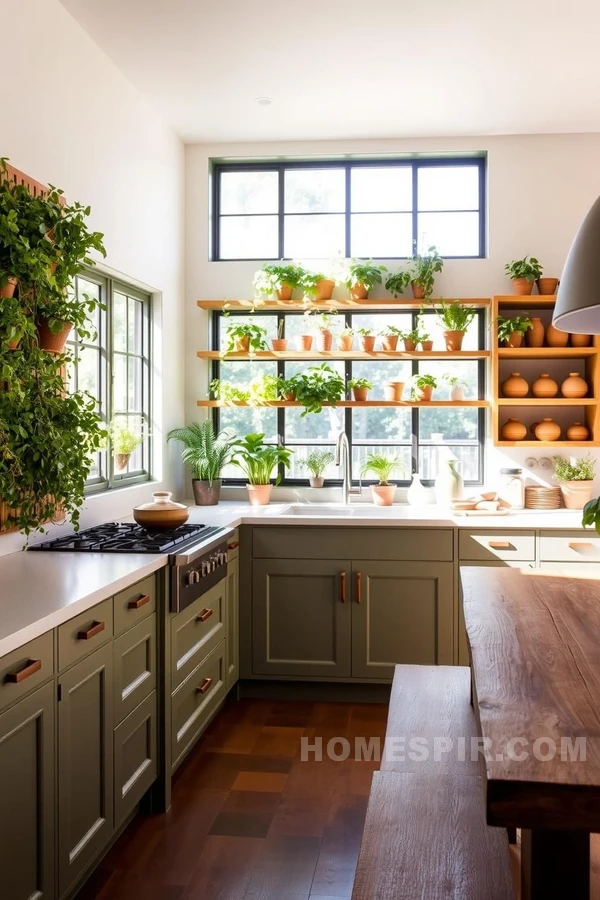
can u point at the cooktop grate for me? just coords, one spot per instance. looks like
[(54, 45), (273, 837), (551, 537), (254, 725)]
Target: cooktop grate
[(115, 537)]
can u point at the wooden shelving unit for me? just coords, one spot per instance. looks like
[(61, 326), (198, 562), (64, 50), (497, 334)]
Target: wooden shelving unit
[(391, 303), (354, 403), (318, 355)]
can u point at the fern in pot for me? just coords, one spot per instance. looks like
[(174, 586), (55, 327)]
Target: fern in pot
[(258, 461), (207, 453), (316, 462)]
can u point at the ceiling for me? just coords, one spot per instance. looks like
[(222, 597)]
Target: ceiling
[(353, 69)]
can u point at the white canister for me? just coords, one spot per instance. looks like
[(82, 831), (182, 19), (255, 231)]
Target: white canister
[(512, 488)]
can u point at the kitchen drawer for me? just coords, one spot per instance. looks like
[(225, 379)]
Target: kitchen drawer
[(134, 604), (84, 633), (195, 702), (135, 749), (134, 666), (196, 631), (485, 545), (352, 542), (233, 545), (566, 546), (26, 668)]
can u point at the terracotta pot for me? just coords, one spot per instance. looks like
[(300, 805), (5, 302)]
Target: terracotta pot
[(547, 286), (360, 394), (121, 461), (515, 386), (383, 494), (259, 494), (392, 390), (547, 430), (409, 345), (544, 386), (358, 291), (574, 386), (345, 342), (515, 340), (367, 342), (206, 494), (279, 344), (535, 336), (12, 345), (576, 494), (242, 345), (424, 393), (454, 340), (522, 287), (291, 398), (532, 428), (556, 338), (418, 291), (389, 342), (324, 289), (324, 340), (8, 290), (426, 345), (162, 514), (577, 432), (513, 430), (49, 341), (285, 293), (304, 341), (457, 394), (581, 340), (316, 482)]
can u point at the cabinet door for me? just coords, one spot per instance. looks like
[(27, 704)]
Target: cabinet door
[(27, 792), (301, 617), (401, 613), (135, 757), (85, 764), (233, 621)]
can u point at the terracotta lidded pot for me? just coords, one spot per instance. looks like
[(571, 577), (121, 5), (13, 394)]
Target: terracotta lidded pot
[(513, 430), (547, 286), (162, 514), (577, 432), (535, 336), (574, 386), (515, 386), (581, 340), (547, 430), (556, 338), (544, 386)]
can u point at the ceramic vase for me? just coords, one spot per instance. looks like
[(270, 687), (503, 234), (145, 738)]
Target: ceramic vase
[(556, 338), (515, 386), (574, 386), (513, 430), (449, 482), (547, 430), (577, 432), (581, 340), (544, 386), (417, 494), (535, 336), (457, 394)]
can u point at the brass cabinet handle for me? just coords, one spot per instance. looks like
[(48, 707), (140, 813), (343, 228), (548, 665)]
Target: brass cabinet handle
[(581, 545), (343, 587), (233, 545), (30, 668), (204, 615), (202, 688), (94, 629), (141, 601), (358, 587), (500, 545)]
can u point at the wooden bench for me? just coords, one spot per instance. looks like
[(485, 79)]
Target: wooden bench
[(425, 834)]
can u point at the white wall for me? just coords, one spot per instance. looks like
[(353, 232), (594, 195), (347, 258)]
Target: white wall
[(72, 119)]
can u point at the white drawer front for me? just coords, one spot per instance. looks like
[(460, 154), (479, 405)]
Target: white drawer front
[(575, 547), (484, 546)]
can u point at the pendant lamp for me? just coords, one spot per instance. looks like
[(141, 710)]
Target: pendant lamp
[(577, 306)]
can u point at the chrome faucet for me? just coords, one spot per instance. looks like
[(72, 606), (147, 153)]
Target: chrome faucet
[(342, 451)]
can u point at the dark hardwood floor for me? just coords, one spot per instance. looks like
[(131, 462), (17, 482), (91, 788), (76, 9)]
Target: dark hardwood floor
[(250, 820)]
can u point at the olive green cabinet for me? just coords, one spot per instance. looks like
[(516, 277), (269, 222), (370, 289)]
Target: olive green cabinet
[(233, 621), (27, 790)]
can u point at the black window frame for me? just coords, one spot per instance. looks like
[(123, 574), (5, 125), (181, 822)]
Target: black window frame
[(415, 163)]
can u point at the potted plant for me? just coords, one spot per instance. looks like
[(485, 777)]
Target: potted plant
[(392, 391), (318, 385), (457, 387), (423, 386), (547, 286), (15, 322), (455, 318), (366, 339), (511, 331), (410, 339), (390, 337), (317, 286), (263, 389), (287, 388), (422, 269), (316, 462), (382, 467), (123, 441), (345, 339), (207, 453), (523, 273), (361, 277), (275, 280), (279, 343), (360, 388), (396, 283), (257, 461), (423, 337), (305, 341), (245, 337), (576, 479), (227, 392), (325, 322)]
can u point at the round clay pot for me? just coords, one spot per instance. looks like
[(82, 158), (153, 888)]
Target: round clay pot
[(285, 293), (515, 339), (547, 286), (409, 345), (8, 290), (49, 341), (425, 393), (457, 394), (389, 342), (205, 493), (304, 341), (544, 386), (392, 390), (577, 432), (522, 287), (418, 291), (289, 397), (279, 344), (454, 340), (242, 345), (556, 338), (121, 461), (345, 342), (367, 342), (513, 430), (316, 482), (324, 340), (383, 494), (535, 336), (358, 291), (574, 386), (162, 514), (547, 430), (581, 340), (360, 394), (532, 428), (426, 345), (324, 289), (259, 494), (515, 386), (576, 494)]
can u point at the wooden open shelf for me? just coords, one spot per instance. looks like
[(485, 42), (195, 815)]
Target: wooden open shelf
[(356, 403), (531, 301), (541, 401), (346, 304), (547, 444), (314, 355), (546, 352)]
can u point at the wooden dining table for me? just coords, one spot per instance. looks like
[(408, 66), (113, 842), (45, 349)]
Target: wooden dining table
[(534, 643)]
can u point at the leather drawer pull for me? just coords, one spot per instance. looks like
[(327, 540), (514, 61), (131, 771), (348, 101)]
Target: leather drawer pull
[(343, 587), (30, 668), (141, 601), (583, 545), (500, 545), (233, 545), (202, 688), (204, 615), (358, 587), (92, 631)]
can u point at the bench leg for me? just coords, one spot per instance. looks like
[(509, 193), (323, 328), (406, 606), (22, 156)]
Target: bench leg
[(512, 835), (555, 865)]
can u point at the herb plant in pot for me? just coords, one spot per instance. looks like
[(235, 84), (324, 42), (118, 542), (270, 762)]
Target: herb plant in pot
[(317, 286), (397, 283), (360, 388), (390, 337), (382, 467), (325, 322), (366, 339), (455, 318), (423, 338), (277, 281), (423, 387), (457, 387), (523, 273), (318, 385), (245, 337), (576, 480), (362, 276), (511, 331), (345, 340), (304, 341), (279, 343), (207, 454), (316, 462), (258, 461), (410, 339), (124, 441), (422, 269)]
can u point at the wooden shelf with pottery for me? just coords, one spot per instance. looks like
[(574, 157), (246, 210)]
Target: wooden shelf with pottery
[(526, 301), (546, 401), (310, 355), (546, 352), (345, 304), (545, 444), (354, 403)]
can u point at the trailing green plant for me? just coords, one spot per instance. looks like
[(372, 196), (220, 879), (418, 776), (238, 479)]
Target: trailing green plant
[(316, 462), (412, 335), (272, 277), (422, 269), (381, 466), (363, 271), (257, 460), (574, 469), (16, 321), (528, 268), (397, 283), (455, 316), (327, 321), (318, 385), (123, 439), (238, 332), (506, 327), (228, 392), (361, 384), (204, 451)]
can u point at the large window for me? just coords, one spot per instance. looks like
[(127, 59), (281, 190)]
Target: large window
[(114, 367), (415, 434), (380, 209)]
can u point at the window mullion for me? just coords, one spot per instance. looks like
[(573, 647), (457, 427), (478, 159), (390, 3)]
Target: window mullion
[(281, 216)]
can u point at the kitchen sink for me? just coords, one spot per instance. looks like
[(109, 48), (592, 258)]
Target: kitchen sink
[(309, 509)]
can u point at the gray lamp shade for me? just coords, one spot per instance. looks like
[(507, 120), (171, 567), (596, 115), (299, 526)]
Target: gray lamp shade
[(577, 306)]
